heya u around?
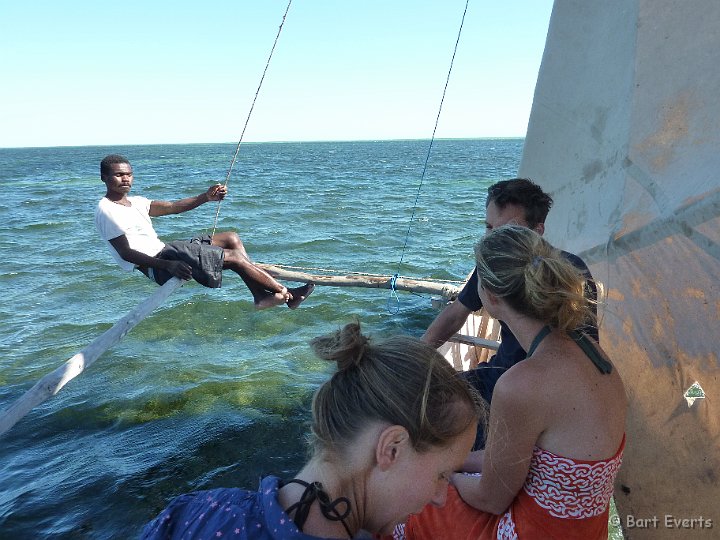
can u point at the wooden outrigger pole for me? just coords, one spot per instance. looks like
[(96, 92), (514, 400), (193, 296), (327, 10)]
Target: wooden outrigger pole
[(53, 382), (447, 291)]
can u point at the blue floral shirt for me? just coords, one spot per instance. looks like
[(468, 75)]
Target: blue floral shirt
[(226, 513)]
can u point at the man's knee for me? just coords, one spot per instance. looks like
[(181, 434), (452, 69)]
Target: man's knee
[(228, 240), (234, 241)]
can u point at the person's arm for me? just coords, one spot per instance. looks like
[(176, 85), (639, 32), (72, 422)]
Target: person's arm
[(516, 422), (163, 208), (452, 318), (446, 324), (178, 269)]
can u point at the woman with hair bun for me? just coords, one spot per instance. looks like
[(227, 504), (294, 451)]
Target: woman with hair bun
[(389, 428), (557, 421)]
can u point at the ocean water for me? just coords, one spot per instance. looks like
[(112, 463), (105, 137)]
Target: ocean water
[(206, 391)]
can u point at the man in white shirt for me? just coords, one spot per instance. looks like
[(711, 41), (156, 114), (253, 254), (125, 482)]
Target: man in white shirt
[(125, 224)]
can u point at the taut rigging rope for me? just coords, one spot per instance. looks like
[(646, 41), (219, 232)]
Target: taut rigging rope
[(393, 293), (252, 106)]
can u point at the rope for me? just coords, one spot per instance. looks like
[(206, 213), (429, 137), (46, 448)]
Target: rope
[(252, 106), (427, 157), (393, 295), (432, 140)]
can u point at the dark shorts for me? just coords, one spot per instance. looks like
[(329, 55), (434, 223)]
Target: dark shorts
[(206, 260)]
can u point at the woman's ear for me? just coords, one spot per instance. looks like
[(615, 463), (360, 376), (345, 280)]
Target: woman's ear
[(392, 443)]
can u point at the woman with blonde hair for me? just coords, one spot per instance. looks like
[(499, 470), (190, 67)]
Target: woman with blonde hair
[(557, 421), (388, 430)]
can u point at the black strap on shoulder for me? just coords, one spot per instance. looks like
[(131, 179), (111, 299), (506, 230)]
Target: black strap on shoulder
[(590, 349), (542, 334), (315, 492)]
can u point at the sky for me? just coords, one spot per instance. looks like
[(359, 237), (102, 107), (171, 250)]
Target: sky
[(78, 73)]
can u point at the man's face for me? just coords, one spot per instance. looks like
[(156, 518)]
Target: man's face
[(512, 213), (120, 178)]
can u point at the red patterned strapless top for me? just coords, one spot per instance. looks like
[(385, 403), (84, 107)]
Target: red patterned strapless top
[(562, 498)]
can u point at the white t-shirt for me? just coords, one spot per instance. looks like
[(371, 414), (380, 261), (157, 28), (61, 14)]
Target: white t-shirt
[(113, 220)]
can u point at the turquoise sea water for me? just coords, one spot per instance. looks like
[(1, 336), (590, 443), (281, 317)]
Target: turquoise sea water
[(206, 391)]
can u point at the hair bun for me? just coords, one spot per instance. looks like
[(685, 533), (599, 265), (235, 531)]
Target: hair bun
[(346, 346)]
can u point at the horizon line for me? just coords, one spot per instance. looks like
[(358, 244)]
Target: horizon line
[(261, 142)]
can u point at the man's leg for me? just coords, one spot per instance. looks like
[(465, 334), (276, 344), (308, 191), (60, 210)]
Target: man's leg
[(299, 294), (266, 291)]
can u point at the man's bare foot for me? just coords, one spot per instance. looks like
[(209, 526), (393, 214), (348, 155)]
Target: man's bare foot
[(299, 294), (270, 300)]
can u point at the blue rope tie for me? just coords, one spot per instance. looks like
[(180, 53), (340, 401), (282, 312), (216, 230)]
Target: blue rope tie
[(393, 294)]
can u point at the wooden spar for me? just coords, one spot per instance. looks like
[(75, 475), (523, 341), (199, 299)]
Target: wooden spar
[(472, 340), (372, 282), (53, 382)]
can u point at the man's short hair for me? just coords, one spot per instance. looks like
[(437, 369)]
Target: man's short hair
[(522, 192), (108, 161)]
